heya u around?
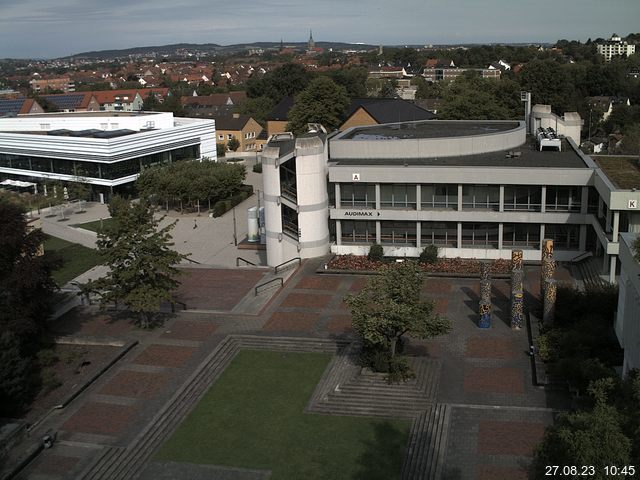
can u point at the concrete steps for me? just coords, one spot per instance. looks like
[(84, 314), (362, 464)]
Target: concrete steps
[(425, 455), (589, 271)]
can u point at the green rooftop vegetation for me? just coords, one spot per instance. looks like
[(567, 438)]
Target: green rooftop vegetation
[(624, 172)]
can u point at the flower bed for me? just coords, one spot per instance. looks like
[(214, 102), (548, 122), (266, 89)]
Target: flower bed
[(462, 266)]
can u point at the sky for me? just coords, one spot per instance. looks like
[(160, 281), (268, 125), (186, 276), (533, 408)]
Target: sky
[(55, 28)]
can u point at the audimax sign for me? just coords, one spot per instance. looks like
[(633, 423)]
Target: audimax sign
[(361, 213)]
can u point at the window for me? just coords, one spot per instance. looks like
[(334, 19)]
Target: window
[(220, 137), (481, 197), (398, 233), (45, 126), (358, 232), (398, 196), (480, 235), (441, 234), (522, 198), (290, 222), (358, 195), (563, 199), (439, 196), (229, 136), (288, 180), (524, 235), (565, 237)]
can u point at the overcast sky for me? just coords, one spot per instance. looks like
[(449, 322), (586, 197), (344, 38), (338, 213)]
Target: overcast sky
[(54, 28)]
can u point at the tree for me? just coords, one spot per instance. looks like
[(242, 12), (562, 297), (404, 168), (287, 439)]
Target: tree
[(390, 306), (631, 140), (141, 263), (233, 144), (26, 285), (284, 81), (321, 102), (590, 437), (220, 150), (257, 108)]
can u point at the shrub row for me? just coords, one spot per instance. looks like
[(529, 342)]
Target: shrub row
[(223, 206)]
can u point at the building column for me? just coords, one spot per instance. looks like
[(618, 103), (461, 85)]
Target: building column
[(378, 232), (501, 204), (543, 200), (612, 269), (582, 239), (338, 232), (616, 225), (584, 207), (378, 203), (459, 200), (418, 197), (337, 188), (459, 239), (605, 261), (600, 204), (418, 234), (608, 221), (541, 235), (500, 233)]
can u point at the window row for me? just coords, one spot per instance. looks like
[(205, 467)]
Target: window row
[(107, 171), (445, 234), (474, 197)]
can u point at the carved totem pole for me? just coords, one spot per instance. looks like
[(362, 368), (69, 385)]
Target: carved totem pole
[(517, 290), (485, 296), (547, 284)]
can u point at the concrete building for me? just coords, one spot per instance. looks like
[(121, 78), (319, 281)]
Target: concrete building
[(448, 74), (104, 149), (475, 189), (627, 324), (64, 84), (614, 47)]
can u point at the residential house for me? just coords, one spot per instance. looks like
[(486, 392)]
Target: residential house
[(11, 107), (43, 84), (614, 47), (219, 104), (242, 127), (74, 102), (376, 111), (278, 119), (606, 105)]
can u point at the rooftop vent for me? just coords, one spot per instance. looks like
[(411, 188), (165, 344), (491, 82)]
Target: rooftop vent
[(548, 139)]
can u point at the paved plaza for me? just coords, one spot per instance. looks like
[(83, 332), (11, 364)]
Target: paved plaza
[(484, 378)]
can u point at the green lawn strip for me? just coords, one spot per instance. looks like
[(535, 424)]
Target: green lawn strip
[(76, 259), (253, 418), (95, 225)]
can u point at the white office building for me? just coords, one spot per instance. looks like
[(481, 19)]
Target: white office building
[(475, 189), (104, 149)]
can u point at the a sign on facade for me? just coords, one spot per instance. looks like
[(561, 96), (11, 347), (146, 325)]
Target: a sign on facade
[(355, 177), (633, 204), (361, 213)]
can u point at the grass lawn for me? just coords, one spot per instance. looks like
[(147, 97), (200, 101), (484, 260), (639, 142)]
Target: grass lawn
[(253, 418), (95, 225), (76, 259)]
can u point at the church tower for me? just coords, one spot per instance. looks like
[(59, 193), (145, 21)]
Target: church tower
[(311, 45)]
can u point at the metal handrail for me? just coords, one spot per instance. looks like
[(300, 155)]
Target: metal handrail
[(278, 279), (283, 264), (581, 257), (245, 261)]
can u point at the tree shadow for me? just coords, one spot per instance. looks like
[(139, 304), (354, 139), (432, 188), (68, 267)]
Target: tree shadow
[(501, 304), (383, 455)]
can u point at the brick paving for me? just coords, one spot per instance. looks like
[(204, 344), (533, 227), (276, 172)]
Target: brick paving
[(101, 419), (216, 289), (291, 322), (509, 438), (494, 380), (127, 383), (190, 330), (165, 355), (497, 414)]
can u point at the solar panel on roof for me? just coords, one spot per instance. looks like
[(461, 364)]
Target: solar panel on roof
[(13, 106), (66, 102)]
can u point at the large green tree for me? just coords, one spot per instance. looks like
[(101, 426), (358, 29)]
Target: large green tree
[(321, 102), (142, 266), (588, 437), (284, 81), (389, 306)]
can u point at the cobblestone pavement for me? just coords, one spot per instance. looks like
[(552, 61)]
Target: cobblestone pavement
[(497, 417)]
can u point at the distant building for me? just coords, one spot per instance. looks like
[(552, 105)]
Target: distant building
[(375, 111), (218, 104), (448, 74), (74, 102), (242, 127), (13, 107), (64, 84), (614, 47), (278, 119), (105, 149)]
